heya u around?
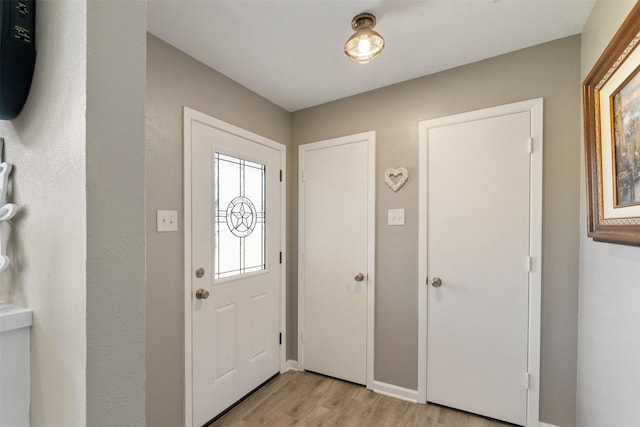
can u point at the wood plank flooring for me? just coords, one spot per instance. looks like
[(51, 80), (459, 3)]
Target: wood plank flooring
[(307, 399)]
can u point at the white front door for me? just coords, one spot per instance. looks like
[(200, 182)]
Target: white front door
[(478, 254), (336, 257), (235, 269)]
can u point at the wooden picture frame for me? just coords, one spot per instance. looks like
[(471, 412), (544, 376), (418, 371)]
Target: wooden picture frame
[(619, 64)]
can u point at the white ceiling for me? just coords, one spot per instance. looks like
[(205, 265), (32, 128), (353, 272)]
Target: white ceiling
[(291, 51)]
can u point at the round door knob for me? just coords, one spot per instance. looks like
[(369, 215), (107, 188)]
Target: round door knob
[(202, 294), (359, 277), (200, 273), (436, 282)]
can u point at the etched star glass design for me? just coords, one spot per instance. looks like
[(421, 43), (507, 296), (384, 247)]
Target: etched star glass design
[(241, 217)]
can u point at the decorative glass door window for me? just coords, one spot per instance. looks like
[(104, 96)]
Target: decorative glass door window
[(239, 216)]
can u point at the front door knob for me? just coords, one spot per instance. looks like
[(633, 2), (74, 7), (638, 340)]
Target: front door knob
[(359, 277), (202, 294), (436, 282)]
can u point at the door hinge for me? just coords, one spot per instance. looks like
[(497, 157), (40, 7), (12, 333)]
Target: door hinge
[(302, 337), (304, 175), (529, 263), (280, 257), (530, 145), (280, 338), (527, 381), (280, 175), (304, 258)]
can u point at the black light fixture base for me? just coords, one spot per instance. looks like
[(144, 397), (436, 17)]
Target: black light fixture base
[(361, 19), (17, 54)]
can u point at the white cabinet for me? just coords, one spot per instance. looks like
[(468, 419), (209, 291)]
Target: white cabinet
[(15, 325)]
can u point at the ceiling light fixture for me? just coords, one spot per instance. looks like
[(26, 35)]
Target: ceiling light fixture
[(365, 44)]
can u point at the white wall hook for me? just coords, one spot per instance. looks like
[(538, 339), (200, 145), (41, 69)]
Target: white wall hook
[(7, 211), (5, 170), (4, 262)]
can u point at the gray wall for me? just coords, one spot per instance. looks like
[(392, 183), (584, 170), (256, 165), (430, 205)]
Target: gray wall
[(46, 145), (609, 347), (175, 80), (551, 71), (115, 186)]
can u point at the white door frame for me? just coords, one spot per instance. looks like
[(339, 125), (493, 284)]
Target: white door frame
[(190, 116), (535, 107), (370, 137)]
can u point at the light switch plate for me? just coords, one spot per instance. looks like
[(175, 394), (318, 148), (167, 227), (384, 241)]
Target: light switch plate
[(167, 221), (395, 217)]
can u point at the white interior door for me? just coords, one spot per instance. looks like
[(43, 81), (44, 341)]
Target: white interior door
[(336, 245), (479, 250), (235, 269)]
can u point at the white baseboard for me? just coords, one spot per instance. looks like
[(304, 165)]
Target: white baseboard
[(292, 365), (547, 425), (395, 391)]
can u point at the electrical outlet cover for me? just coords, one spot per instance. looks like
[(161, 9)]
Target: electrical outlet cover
[(167, 221), (395, 217)]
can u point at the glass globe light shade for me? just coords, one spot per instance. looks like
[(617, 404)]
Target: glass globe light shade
[(365, 44)]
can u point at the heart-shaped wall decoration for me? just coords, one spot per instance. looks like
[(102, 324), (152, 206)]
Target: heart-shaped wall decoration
[(396, 178)]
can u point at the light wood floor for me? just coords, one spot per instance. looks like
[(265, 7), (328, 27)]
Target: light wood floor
[(306, 399)]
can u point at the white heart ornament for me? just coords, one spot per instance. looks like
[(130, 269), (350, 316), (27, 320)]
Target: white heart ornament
[(401, 174)]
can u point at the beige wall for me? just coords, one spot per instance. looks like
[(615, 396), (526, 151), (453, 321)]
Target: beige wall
[(46, 145), (609, 348), (115, 187), (175, 80), (551, 71), (77, 243)]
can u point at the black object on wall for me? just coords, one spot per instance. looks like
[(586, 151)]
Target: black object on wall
[(17, 54)]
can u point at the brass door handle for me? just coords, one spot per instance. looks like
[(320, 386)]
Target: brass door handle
[(202, 294), (359, 277)]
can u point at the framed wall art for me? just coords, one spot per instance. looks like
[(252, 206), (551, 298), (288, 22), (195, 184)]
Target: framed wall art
[(611, 107)]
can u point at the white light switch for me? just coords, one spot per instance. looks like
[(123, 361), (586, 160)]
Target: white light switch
[(395, 217), (167, 221)]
